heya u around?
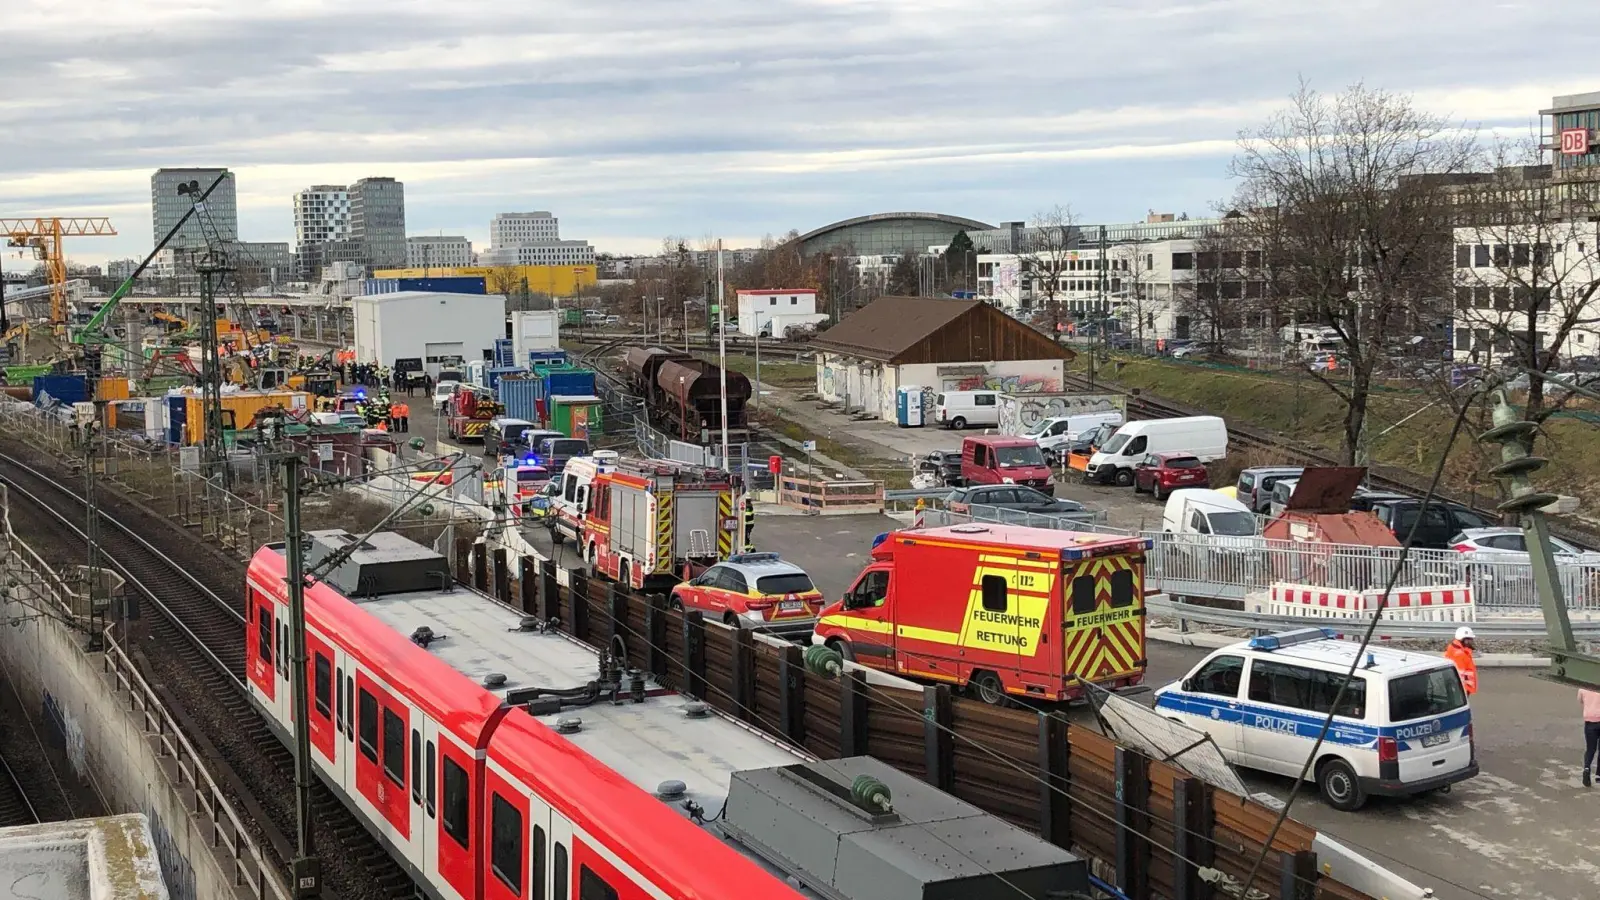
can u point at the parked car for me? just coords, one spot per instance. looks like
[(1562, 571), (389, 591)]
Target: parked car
[(754, 590), (1162, 473), (1200, 349), (943, 465), (1053, 432), (1506, 541), (503, 434), (1254, 488), (1441, 521), (959, 409), (1204, 511), (1205, 437), (1002, 459), (441, 395), (1013, 497)]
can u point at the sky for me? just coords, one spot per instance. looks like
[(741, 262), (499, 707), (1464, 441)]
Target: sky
[(636, 119)]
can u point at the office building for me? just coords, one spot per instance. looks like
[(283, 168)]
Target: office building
[(378, 221), (532, 239), (219, 221), (431, 252), (121, 269), (523, 228)]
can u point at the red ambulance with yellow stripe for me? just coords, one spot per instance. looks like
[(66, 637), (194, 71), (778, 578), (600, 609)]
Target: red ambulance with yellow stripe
[(1005, 610)]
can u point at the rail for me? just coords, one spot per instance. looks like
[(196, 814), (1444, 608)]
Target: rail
[(223, 827)]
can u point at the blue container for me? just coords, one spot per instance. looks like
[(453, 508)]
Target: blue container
[(520, 397), (63, 389), (454, 284), (495, 373), (569, 383), (504, 355), (547, 358)]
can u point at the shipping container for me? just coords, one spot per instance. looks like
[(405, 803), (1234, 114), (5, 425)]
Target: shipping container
[(64, 389), (565, 381), (547, 358), (577, 416), (534, 330), (520, 397), (493, 375), (244, 406), (113, 388), (504, 355), (455, 284)]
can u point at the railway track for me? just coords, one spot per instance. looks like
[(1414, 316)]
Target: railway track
[(1144, 407), (194, 647), (15, 808)]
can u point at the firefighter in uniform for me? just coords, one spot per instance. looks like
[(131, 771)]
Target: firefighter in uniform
[(749, 525), (1460, 653)]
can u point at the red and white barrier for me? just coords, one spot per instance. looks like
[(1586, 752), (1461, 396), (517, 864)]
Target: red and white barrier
[(1453, 603)]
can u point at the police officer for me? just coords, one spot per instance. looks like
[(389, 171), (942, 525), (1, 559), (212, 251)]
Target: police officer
[(749, 525)]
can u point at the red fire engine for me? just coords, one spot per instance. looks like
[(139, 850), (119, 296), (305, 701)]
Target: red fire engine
[(1006, 609), (471, 407)]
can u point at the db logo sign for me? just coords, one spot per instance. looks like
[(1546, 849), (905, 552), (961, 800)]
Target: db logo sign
[(1575, 141)]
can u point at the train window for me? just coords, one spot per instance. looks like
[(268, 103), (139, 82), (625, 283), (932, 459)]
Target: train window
[(339, 707), (367, 716), (561, 871), (537, 875), (593, 887), (456, 808), (394, 747), (432, 777), (505, 843), (416, 766), (349, 701), (283, 647), (264, 633), (320, 687)]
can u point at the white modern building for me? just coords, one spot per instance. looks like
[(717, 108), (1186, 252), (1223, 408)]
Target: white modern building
[(773, 313), (523, 228), (321, 214), (433, 327), (430, 252), (557, 253), (1497, 269)]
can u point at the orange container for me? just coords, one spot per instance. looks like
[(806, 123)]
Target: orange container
[(113, 388)]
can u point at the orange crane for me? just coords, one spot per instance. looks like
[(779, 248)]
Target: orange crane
[(44, 235)]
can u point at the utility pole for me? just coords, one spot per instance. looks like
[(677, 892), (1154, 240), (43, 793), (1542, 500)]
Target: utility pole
[(91, 524), (306, 868), (722, 355), (214, 451)]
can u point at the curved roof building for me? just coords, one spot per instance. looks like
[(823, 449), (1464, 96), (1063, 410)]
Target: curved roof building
[(888, 233)]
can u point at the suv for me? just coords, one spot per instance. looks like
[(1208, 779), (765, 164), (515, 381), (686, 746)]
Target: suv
[(754, 590), (1402, 727), (1442, 521), (1162, 473), (503, 434)]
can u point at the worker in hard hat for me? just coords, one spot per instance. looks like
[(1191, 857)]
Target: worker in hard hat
[(1460, 653)]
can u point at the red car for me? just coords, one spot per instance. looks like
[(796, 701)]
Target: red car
[(1163, 473)]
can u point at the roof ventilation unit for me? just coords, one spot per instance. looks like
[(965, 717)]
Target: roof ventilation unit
[(855, 827)]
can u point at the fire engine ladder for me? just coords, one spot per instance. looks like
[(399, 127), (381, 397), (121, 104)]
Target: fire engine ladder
[(700, 543), (1568, 664)]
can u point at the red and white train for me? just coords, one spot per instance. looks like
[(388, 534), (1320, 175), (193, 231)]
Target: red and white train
[(477, 796)]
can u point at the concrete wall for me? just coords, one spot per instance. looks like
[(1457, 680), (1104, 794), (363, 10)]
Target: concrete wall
[(44, 659)]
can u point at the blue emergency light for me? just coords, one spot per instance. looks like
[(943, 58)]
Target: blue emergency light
[(360, 393), (880, 539), (1291, 638)]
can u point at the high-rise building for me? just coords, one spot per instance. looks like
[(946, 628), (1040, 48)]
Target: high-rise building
[(430, 252), (121, 269), (322, 228), (378, 221), (523, 228), (167, 206)]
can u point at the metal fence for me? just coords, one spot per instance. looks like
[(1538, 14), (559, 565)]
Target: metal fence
[(1220, 567)]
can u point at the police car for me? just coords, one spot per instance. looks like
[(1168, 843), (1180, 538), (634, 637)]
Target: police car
[(1403, 726)]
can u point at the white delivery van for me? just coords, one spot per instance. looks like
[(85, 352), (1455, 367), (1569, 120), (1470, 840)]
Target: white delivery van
[(1059, 431), (1205, 437), (1204, 511), (960, 409), (1402, 728)]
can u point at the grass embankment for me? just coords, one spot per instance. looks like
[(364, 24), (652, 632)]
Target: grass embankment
[(1303, 409)]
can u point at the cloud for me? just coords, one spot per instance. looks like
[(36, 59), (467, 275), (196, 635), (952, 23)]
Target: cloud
[(633, 119)]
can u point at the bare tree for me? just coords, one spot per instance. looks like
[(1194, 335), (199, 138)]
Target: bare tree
[(1356, 240), (1047, 250), (505, 280), (1526, 274), (1144, 299)]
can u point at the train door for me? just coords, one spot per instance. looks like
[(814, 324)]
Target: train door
[(540, 871), (455, 813), (321, 661), (563, 879)]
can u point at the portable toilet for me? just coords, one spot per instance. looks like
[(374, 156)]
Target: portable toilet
[(908, 406)]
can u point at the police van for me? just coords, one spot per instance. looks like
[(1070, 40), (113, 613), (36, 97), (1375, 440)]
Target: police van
[(1402, 728)]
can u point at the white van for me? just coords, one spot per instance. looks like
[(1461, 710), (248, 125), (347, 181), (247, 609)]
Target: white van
[(1204, 511), (959, 409), (1059, 431), (1403, 727), (1205, 437)]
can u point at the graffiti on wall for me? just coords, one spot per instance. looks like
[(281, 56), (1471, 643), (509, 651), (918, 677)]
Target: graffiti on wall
[(1005, 384), (176, 870), (834, 380), (67, 734), (1019, 414)]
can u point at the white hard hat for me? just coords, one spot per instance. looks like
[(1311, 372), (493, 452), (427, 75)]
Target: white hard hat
[(1463, 633)]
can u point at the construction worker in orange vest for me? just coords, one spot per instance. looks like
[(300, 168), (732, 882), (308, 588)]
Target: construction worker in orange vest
[(1460, 653)]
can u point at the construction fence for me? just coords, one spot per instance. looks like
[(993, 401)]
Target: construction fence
[(1150, 829)]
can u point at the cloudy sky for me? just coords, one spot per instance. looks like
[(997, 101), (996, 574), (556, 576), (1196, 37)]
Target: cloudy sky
[(634, 119)]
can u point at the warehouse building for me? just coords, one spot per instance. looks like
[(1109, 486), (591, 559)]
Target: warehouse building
[(434, 327), (935, 344)]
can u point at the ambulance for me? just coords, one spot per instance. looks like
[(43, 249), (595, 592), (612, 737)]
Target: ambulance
[(1005, 611)]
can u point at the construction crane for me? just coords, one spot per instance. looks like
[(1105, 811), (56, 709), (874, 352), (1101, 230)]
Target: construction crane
[(43, 235)]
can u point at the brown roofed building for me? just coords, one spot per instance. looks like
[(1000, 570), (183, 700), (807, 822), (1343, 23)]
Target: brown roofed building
[(933, 345)]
